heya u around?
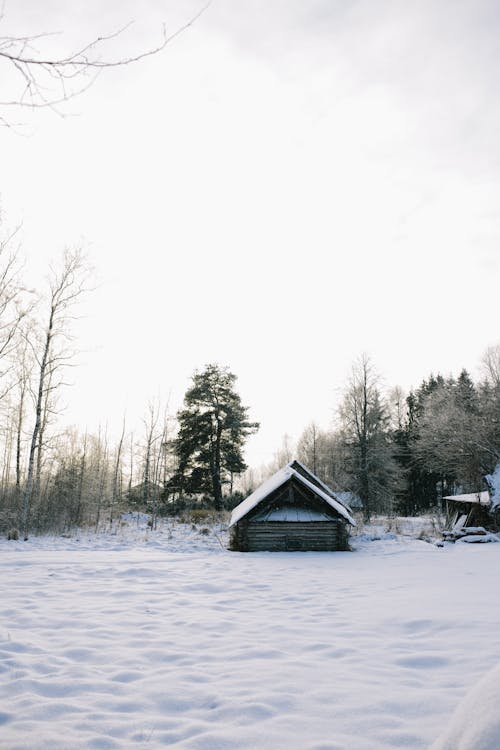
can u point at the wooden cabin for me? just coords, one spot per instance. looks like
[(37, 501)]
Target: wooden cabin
[(291, 511)]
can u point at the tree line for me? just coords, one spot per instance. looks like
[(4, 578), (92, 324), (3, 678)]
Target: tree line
[(398, 452), (404, 453), (53, 479)]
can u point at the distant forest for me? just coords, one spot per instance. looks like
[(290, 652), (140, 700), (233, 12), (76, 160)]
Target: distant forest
[(400, 453)]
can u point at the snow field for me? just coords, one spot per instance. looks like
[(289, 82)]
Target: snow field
[(119, 642)]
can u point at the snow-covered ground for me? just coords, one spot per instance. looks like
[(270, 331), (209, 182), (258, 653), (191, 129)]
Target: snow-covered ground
[(144, 639)]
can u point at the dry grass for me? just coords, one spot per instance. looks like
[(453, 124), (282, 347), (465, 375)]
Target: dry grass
[(202, 516)]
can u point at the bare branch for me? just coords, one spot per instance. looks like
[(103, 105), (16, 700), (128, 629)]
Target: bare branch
[(47, 82)]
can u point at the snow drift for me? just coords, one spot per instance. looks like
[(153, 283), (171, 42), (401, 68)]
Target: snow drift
[(476, 722)]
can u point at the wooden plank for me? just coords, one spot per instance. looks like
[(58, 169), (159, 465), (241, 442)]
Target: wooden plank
[(281, 536)]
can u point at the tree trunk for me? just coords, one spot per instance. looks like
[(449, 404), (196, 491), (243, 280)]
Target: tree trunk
[(20, 415), (78, 513), (216, 468), (28, 490), (114, 494)]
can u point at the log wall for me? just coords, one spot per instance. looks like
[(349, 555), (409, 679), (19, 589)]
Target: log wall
[(282, 536)]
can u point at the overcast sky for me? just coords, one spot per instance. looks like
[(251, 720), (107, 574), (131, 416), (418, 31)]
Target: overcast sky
[(287, 185)]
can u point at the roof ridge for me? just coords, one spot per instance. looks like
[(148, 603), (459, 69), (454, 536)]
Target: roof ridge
[(279, 478)]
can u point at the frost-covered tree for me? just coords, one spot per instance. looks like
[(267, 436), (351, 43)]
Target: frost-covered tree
[(213, 427), (448, 440), (489, 424)]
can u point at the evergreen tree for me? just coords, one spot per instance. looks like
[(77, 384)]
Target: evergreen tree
[(213, 426), (489, 424), (441, 443), (465, 393), (422, 475)]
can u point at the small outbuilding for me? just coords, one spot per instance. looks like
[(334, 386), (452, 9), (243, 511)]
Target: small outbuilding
[(291, 511), (470, 510)]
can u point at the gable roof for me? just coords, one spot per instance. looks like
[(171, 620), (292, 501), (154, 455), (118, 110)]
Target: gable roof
[(281, 477), (301, 468)]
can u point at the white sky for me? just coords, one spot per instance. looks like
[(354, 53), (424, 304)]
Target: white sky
[(287, 185)]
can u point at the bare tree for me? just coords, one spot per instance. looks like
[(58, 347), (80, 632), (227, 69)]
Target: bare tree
[(81, 479), (53, 352), (364, 426), (308, 447), (24, 367), (150, 487), (48, 410), (397, 406), (47, 81), (101, 473), (323, 452), (491, 365), (117, 475), (14, 308), (164, 465), (7, 433)]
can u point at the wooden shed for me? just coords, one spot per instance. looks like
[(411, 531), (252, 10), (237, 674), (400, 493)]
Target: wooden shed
[(471, 510), (292, 510)]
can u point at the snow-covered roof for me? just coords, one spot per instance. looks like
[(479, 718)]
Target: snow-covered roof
[(478, 498), (312, 477), (277, 480), (350, 499)]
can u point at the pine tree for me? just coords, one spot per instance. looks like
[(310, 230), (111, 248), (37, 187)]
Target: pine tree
[(213, 426), (418, 491)]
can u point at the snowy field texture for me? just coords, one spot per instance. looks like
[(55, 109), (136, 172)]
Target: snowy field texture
[(164, 639)]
